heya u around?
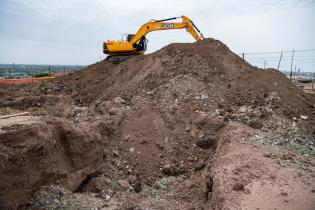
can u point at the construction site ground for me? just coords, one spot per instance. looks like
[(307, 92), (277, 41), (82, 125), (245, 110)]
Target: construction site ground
[(191, 126)]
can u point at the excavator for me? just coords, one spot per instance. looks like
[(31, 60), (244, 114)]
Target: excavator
[(136, 44)]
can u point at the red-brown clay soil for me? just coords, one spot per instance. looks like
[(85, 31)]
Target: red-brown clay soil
[(191, 126)]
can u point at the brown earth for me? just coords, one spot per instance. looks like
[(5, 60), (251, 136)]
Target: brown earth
[(191, 126), (40, 150)]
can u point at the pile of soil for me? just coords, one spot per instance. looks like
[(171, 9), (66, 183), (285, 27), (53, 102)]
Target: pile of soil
[(222, 73), (191, 126)]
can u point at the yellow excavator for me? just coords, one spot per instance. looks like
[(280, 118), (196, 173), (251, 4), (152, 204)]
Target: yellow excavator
[(136, 44)]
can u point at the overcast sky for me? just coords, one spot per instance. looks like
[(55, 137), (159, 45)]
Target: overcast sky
[(72, 31)]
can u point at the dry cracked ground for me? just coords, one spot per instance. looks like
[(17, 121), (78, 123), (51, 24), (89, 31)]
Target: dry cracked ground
[(191, 126)]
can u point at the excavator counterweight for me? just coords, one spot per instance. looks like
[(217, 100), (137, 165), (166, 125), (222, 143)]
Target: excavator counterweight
[(136, 44)]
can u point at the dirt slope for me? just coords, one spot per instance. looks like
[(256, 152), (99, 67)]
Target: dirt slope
[(191, 126), (40, 150)]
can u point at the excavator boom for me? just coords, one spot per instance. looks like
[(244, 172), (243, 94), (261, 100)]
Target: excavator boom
[(136, 44)]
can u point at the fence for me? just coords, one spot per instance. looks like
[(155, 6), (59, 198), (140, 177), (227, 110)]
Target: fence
[(24, 80), (293, 61)]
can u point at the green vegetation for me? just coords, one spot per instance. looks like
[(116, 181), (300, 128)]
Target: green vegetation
[(41, 75)]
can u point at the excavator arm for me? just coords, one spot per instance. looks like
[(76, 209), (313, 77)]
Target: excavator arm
[(120, 50), (157, 25)]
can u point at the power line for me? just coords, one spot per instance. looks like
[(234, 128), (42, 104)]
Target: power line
[(277, 58), (287, 51), (303, 56), (304, 50)]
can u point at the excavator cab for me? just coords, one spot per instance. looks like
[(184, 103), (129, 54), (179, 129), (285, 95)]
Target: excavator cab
[(129, 37), (141, 45)]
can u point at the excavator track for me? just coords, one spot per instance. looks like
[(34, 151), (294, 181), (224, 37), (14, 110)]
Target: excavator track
[(116, 59)]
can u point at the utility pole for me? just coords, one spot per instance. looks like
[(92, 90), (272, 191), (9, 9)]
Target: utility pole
[(280, 59), (14, 75), (296, 73), (292, 63), (313, 81), (243, 56)]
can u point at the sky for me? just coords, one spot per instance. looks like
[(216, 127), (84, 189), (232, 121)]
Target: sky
[(72, 31)]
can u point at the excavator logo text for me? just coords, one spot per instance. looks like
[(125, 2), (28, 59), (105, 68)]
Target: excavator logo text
[(168, 25)]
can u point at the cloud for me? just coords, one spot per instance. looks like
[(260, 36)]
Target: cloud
[(91, 11), (80, 26)]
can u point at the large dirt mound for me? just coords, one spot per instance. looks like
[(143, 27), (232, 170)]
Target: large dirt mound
[(207, 67), (191, 126)]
